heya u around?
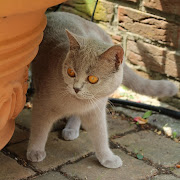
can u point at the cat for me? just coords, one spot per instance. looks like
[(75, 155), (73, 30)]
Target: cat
[(75, 71)]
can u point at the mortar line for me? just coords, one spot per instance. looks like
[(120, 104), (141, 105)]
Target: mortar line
[(150, 178), (16, 142), (22, 127), (58, 168), (19, 160), (69, 176), (119, 135)]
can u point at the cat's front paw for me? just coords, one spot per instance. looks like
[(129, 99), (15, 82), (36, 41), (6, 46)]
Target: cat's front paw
[(36, 156), (70, 134), (113, 161)]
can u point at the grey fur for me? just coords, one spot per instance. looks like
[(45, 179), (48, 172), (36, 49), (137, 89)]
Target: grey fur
[(72, 42)]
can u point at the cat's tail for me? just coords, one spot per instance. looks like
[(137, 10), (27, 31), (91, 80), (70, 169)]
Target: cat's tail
[(159, 88)]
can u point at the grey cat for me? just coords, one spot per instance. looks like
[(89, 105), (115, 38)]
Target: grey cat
[(75, 71)]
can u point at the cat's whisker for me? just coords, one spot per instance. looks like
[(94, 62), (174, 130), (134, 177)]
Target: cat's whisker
[(111, 105), (89, 100), (100, 100), (94, 101)]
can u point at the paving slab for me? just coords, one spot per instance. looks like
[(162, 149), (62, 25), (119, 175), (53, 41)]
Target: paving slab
[(11, 170), (165, 177), (51, 176), (58, 151), (19, 135), (177, 172), (159, 149), (158, 120), (90, 169), (116, 125), (24, 118), (163, 122)]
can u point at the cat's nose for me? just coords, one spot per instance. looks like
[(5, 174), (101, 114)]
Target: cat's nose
[(76, 89)]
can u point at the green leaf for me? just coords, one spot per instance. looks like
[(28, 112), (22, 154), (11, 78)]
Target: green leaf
[(131, 97), (124, 87), (147, 114), (174, 134), (140, 156)]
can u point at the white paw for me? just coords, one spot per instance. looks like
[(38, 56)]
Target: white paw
[(112, 162), (70, 134), (36, 156)]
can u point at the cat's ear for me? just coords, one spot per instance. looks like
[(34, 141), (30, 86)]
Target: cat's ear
[(74, 45), (114, 53)]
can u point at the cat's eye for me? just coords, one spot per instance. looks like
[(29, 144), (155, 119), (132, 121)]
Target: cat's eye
[(93, 79), (70, 72)]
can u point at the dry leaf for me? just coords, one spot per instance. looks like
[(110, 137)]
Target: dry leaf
[(168, 131), (28, 105), (155, 130), (140, 120), (176, 140)]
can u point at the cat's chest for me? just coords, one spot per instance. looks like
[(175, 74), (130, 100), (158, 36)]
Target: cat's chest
[(72, 105)]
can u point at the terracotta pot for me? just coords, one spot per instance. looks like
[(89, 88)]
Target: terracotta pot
[(21, 31)]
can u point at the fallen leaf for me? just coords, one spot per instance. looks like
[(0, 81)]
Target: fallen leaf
[(159, 132), (140, 156), (174, 134), (114, 117), (176, 140), (28, 105), (167, 131), (140, 120), (155, 130), (147, 114)]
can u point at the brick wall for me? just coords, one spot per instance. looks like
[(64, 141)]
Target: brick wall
[(149, 31)]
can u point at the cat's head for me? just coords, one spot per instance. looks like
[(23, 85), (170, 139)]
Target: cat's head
[(92, 69)]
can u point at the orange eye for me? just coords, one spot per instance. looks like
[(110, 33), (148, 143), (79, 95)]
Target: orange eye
[(70, 72), (93, 79)]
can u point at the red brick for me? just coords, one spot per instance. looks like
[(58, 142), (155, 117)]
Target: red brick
[(154, 58), (169, 6), (149, 26)]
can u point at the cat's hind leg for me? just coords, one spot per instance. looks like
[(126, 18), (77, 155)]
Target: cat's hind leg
[(71, 131)]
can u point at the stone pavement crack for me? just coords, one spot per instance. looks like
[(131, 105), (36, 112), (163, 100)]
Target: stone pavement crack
[(13, 143), (70, 177), (119, 135), (20, 161), (22, 127), (58, 169)]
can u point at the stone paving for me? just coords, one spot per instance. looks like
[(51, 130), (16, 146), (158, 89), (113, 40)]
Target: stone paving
[(162, 122), (75, 160)]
